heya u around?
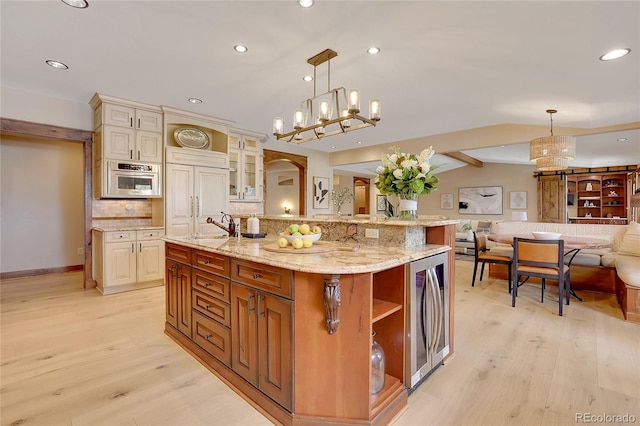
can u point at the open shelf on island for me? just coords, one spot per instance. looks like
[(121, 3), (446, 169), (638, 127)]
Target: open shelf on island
[(381, 399), (382, 309)]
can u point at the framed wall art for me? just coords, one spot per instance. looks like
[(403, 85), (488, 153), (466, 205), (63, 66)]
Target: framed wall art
[(518, 200), (320, 192), (446, 201), (480, 200), (381, 202)]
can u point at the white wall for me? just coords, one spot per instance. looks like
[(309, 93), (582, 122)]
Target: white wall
[(41, 204), (38, 108)]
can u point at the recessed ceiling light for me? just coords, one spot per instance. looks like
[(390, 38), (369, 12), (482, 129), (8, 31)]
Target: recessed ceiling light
[(622, 139), (80, 4), (333, 147), (359, 142), (56, 64), (195, 100), (306, 3), (373, 50), (240, 48), (615, 54), (307, 78)]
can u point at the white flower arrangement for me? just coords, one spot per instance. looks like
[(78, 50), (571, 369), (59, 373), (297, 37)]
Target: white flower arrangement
[(406, 174)]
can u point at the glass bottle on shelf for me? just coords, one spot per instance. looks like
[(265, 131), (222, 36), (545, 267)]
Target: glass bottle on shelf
[(377, 365)]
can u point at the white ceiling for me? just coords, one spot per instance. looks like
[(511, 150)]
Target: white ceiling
[(445, 66)]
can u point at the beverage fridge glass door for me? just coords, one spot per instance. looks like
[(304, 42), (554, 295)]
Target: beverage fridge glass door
[(427, 317)]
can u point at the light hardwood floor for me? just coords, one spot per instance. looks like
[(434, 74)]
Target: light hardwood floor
[(74, 357)]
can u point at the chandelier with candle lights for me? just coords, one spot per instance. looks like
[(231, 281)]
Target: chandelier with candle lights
[(333, 112)]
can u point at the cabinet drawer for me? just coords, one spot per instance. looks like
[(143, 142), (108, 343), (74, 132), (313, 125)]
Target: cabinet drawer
[(213, 308), (270, 278), (179, 253), (149, 234), (213, 285), (111, 237), (212, 337), (211, 262)]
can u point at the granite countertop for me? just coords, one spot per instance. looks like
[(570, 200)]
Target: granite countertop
[(374, 219), (127, 228), (348, 261)]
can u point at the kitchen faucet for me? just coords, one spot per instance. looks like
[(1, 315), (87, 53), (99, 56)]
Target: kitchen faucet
[(232, 230)]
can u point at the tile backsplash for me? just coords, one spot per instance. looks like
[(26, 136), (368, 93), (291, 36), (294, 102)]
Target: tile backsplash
[(130, 212)]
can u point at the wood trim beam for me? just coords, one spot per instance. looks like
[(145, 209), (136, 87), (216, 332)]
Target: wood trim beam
[(13, 127), (460, 156)]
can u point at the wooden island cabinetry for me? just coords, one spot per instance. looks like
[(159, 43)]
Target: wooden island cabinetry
[(295, 343)]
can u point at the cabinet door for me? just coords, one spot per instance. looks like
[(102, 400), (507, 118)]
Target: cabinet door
[(119, 264), (211, 198), (171, 291), (251, 176), (150, 259), (250, 144), (118, 115), (148, 120), (148, 147), (179, 200), (119, 143), (184, 299), (552, 199), (234, 174), (274, 348), (244, 333)]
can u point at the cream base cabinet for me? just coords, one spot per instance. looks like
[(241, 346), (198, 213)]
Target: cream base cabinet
[(193, 194), (127, 260)]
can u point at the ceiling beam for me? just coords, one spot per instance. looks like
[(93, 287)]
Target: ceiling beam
[(460, 156)]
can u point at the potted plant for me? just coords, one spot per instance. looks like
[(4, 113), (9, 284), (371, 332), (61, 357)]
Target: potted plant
[(469, 230)]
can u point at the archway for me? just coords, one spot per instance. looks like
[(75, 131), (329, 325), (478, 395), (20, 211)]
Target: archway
[(298, 161)]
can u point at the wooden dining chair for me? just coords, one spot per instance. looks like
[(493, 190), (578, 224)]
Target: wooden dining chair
[(483, 256), (543, 259)]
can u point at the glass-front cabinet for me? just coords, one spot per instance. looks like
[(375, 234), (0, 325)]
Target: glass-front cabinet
[(245, 168)]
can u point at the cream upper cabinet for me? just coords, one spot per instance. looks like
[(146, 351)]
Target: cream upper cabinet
[(193, 194), (127, 130), (139, 119), (245, 167)]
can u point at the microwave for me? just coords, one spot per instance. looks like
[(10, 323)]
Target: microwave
[(132, 180)]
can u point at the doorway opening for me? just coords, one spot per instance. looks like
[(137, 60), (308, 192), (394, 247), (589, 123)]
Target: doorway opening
[(361, 189), (285, 182)]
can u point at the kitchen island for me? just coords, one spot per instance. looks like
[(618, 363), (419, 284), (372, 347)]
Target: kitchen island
[(291, 330)]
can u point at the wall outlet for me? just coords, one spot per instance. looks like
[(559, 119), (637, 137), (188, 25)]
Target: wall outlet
[(80, 250), (371, 233)]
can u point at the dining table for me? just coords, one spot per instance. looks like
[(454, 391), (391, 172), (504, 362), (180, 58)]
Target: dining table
[(572, 245)]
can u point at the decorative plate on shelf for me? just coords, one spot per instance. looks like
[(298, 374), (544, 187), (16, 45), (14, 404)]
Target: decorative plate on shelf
[(190, 137)]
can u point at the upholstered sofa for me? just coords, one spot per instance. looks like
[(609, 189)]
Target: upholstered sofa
[(614, 270), (464, 233)]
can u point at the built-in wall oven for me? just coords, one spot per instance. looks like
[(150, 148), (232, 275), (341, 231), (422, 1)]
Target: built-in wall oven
[(427, 317), (133, 180)]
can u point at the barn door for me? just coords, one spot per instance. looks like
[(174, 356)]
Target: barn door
[(552, 198)]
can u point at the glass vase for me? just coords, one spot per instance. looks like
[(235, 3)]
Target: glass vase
[(377, 365), (408, 208)]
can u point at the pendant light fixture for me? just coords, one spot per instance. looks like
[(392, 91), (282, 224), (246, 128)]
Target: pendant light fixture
[(552, 152), (333, 112)]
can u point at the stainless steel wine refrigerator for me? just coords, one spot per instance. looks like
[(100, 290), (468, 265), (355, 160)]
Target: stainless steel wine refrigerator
[(427, 317)]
